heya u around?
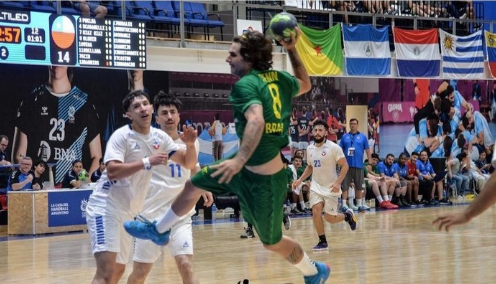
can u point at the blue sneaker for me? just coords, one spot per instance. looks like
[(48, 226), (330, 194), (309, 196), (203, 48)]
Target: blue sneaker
[(141, 228), (323, 272)]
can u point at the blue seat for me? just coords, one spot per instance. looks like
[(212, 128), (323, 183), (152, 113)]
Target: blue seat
[(199, 12), (165, 8), (157, 16), (135, 12), (43, 6), (16, 5), (189, 20)]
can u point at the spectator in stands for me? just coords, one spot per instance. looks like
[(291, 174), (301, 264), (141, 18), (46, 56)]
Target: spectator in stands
[(412, 178), (293, 132), (355, 145), (217, 131), (95, 176), (22, 178), (303, 129), (90, 7), (480, 128), (4, 172), (334, 126), (389, 172), (298, 167), (38, 180), (340, 115), (406, 185), (75, 177), (314, 117), (325, 186), (483, 165), (456, 178), (476, 91), (473, 172), (492, 100), (377, 183)]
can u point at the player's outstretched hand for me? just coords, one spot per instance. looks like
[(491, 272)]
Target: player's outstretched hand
[(208, 198), (448, 220), (189, 135)]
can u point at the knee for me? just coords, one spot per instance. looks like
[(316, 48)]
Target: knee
[(185, 266)]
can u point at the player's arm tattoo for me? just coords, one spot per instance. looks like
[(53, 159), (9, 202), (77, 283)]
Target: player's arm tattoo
[(253, 132), (299, 71)]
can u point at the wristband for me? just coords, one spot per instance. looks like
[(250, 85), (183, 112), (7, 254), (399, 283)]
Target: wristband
[(146, 162)]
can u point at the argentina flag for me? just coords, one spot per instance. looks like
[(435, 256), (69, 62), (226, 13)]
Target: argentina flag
[(463, 56), (366, 50)]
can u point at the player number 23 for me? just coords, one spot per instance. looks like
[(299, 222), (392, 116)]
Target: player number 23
[(57, 131), (276, 100)]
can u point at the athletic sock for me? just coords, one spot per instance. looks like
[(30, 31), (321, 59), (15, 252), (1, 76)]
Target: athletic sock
[(306, 266), (169, 219)]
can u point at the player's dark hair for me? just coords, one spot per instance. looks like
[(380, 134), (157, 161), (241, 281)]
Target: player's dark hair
[(256, 49), (164, 99), (374, 156), (126, 102), (76, 161), (321, 122), (414, 154)]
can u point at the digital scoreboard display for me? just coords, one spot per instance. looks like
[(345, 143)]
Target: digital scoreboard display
[(48, 39)]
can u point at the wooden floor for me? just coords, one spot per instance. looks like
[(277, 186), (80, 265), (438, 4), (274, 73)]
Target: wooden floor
[(388, 247)]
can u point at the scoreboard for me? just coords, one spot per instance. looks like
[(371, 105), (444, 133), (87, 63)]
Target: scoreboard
[(36, 38)]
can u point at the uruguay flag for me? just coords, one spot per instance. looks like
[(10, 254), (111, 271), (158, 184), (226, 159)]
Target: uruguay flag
[(491, 51), (417, 52), (366, 50), (463, 56)]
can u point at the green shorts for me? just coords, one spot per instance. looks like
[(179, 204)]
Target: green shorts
[(261, 198)]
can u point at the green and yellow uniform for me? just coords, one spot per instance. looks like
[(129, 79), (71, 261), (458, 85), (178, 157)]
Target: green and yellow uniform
[(260, 196)]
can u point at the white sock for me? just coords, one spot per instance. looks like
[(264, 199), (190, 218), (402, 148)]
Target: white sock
[(359, 202), (344, 202), (386, 198), (350, 201), (169, 219), (306, 266), (379, 198), (364, 201), (302, 204), (390, 197), (293, 206)]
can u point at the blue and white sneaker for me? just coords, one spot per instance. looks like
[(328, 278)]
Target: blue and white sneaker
[(323, 272), (352, 219), (141, 228)]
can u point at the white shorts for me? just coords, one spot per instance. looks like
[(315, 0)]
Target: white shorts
[(181, 243), (331, 203), (295, 144), (107, 232)]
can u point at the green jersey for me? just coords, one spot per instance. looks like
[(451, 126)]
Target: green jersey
[(274, 91)]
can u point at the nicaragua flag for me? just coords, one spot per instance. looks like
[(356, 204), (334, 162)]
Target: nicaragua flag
[(366, 50), (491, 51), (463, 57), (417, 52)]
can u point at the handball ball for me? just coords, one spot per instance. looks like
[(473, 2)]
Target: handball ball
[(282, 26), (83, 175)]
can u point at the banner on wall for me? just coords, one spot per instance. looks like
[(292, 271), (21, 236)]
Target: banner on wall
[(463, 56), (417, 52), (67, 207), (398, 112), (320, 50), (491, 51), (366, 50)]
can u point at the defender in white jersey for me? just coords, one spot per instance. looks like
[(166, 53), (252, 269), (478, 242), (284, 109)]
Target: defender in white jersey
[(166, 183), (120, 193), (323, 157)]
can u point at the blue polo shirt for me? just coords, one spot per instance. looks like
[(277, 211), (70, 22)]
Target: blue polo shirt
[(402, 171), (386, 170), (424, 168), (354, 146), (17, 177)]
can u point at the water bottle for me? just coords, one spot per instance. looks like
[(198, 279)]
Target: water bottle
[(214, 211)]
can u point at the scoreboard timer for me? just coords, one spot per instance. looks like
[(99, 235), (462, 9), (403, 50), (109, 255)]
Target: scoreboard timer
[(49, 39)]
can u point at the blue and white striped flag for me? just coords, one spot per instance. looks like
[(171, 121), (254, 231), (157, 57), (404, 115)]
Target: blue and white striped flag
[(463, 56), (366, 50)]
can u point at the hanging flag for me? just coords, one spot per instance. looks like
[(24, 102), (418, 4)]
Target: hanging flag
[(366, 50), (320, 50), (463, 57), (417, 52), (491, 51)]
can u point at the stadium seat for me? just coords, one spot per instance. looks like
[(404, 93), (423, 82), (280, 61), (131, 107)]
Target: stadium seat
[(15, 5), (43, 6), (198, 11), (189, 20), (136, 12)]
